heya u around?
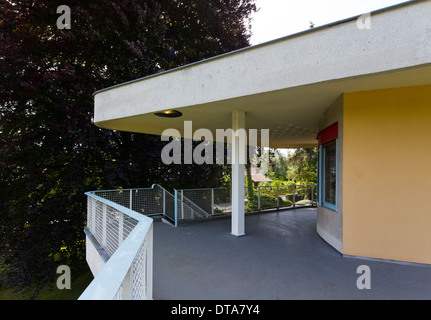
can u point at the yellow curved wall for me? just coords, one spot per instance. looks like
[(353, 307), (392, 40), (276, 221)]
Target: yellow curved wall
[(387, 174)]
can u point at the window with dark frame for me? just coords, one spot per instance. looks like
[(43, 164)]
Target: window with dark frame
[(327, 168), (330, 171)]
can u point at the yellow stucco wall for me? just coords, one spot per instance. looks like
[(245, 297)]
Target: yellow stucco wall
[(387, 174)]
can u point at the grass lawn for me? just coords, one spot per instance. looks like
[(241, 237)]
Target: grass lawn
[(78, 285)]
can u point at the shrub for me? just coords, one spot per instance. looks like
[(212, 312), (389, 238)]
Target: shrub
[(267, 201)]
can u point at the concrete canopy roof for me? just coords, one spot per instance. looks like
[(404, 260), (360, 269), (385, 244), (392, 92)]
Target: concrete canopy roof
[(282, 85)]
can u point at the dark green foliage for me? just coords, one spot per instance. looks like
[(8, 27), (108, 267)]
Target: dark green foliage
[(267, 201), (299, 166), (50, 152), (303, 163)]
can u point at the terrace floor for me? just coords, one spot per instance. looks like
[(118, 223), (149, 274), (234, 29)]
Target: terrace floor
[(280, 257)]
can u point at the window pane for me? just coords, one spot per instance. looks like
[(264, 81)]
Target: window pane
[(330, 172)]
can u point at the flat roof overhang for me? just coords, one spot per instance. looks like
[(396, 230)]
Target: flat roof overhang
[(282, 85)]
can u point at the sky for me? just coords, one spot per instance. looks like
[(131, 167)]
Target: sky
[(279, 18)]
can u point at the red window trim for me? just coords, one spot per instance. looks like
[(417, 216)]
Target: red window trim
[(328, 134)]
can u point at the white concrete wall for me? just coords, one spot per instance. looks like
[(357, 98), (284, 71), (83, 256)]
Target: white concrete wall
[(95, 255)]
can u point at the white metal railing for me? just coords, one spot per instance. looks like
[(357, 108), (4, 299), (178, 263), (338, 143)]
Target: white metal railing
[(126, 237), (192, 204), (121, 230), (208, 202), (281, 196), (147, 201)]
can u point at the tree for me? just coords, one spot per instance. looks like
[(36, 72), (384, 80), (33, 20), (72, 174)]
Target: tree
[(279, 166), (303, 165), (50, 152)]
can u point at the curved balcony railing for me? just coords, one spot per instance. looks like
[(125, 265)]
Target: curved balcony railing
[(119, 251), (119, 243)]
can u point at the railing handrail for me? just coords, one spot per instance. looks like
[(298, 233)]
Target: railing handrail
[(131, 213), (287, 185), (292, 189), (193, 189), (118, 189), (158, 185), (108, 281), (228, 188)]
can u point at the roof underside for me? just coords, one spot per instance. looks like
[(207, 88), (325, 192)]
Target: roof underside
[(283, 85)]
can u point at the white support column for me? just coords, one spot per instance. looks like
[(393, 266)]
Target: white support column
[(238, 167)]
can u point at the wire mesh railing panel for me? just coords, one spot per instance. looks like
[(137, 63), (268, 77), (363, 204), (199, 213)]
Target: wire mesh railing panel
[(120, 196), (208, 202), (286, 195), (222, 201), (111, 240), (170, 206), (194, 204), (187, 211), (110, 225), (98, 222), (198, 199), (277, 197), (147, 201), (139, 276), (90, 213), (306, 195)]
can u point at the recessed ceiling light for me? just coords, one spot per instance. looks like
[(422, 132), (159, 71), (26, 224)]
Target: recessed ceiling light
[(169, 114)]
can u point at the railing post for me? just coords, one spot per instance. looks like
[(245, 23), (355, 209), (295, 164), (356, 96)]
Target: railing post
[(93, 216), (164, 202), (120, 228), (258, 198), (130, 199), (182, 205), (212, 201), (104, 209), (312, 195), (294, 194), (278, 195), (176, 206)]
